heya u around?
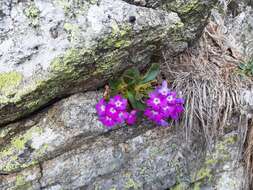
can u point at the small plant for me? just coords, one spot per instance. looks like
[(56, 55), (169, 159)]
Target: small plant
[(134, 93), (247, 68)]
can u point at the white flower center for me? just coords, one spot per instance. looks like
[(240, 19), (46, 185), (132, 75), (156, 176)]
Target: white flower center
[(164, 91), (108, 118), (170, 98), (102, 107), (118, 103), (156, 101), (112, 110)]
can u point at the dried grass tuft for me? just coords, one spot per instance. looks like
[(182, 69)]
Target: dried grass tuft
[(207, 76)]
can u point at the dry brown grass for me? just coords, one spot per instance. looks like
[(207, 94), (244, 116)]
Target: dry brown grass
[(207, 76)]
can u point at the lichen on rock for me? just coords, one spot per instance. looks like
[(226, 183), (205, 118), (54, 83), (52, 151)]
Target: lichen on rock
[(77, 46)]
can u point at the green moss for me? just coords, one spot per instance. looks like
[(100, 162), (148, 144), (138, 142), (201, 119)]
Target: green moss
[(197, 186), (32, 12), (21, 183), (218, 157), (131, 184), (66, 5), (189, 6), (120, 37), (178, 187), (73, 9), (193, 13), (9, 82), (204, 173), (231, 140), (72, 30), (9, 155)]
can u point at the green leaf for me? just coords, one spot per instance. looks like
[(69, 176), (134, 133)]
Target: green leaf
[(114, 84), (251, 71), (134, 103), (151, 73), (131, 76), (140, 106)]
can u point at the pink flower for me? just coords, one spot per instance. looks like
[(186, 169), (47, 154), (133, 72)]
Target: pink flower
[(178, 109), (132, 117), (118, 102), (163, 90), (171, 98), (115, 112), (163, 123), (163, 104), (155, 101), (107, 121), (180, 101), (111, 111), (167, 110), (100, 107), (122, 116), (153, 115)]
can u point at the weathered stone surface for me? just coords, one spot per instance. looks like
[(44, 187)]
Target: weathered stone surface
[(241, 27), (238, 25), (65, 147), (52, 48)]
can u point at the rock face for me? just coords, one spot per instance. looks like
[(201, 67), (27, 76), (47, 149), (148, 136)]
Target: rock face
[(65, 147), (50, 49), (53, 48), (239, 26)]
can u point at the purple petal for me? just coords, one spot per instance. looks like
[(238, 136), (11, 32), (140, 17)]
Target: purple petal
[(131, 118), (163, 90), (164, 123), (107, 121), (118, 102), (100, 107)]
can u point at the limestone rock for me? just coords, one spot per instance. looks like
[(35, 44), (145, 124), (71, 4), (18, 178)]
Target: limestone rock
[(53, 48)]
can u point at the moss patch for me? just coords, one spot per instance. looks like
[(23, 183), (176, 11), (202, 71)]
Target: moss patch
[(21, 183), (32, 12), (9, 82), (131, 183), (9, 155)]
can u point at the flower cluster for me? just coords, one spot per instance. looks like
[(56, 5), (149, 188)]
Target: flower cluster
[(162, 105), (115, 112)]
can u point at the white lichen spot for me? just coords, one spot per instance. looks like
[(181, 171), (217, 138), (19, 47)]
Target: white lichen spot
[(44, 138)]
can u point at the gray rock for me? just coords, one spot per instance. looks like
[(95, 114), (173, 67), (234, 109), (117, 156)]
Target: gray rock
[(241, 28), (65, 147), (237, 23), (53, 48)]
